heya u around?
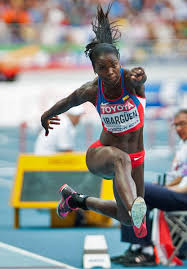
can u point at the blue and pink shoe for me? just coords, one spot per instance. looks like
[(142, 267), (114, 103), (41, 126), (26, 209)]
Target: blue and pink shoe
[(64, 208)]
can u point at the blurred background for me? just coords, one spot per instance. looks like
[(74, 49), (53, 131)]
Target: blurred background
[(42, 59)]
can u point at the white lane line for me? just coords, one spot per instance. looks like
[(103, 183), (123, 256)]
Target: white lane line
[(34, 256)]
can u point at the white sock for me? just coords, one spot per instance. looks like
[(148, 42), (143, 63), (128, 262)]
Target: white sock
[(135, 247), (147, 250)]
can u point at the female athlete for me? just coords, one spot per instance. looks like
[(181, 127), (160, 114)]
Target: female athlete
[(118, 95)]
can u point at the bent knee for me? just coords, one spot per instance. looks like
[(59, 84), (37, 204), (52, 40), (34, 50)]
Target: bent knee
[(122, 158)]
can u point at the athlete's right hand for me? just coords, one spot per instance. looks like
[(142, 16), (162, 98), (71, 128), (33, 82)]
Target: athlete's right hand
[(45, 121)]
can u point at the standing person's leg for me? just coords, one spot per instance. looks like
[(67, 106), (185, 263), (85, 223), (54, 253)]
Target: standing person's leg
[(160, 197)]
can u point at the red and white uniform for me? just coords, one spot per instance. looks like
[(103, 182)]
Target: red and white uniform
[(122, 115)]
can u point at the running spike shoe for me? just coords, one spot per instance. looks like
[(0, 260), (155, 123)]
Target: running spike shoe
[(63, 208), (138, 212), (142, 231)]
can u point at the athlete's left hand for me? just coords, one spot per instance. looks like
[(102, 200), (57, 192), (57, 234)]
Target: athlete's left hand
[(46, 122), (137, 76)]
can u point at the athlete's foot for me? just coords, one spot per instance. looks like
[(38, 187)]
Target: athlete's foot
[(142, 231), (64, 208), (71, 200), (138, 212)]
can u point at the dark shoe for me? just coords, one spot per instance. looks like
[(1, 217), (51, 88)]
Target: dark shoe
[(128, 255), (140, 260), (117, 258), (63, 208)]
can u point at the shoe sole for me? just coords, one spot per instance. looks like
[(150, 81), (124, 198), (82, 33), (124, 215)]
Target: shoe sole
[(138, 211)]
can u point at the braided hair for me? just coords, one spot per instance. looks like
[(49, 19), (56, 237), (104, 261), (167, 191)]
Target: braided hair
[(107, 34)]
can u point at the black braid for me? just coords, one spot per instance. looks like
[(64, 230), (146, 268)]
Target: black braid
[(106, 32)]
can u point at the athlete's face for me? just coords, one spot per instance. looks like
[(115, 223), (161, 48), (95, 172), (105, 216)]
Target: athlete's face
[(107, 66), (180, 123)]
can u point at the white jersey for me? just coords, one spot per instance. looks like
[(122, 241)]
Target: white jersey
[(179, 165), (61, 138), (180, 160)]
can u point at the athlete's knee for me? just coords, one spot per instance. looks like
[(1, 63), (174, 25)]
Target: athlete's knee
[(90, 160), (123, 158)]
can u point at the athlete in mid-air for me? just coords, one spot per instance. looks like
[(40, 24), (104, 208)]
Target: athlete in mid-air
[(119, 97)]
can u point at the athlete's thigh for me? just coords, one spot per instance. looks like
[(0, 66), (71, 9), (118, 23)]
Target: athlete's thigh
[(100, 160)]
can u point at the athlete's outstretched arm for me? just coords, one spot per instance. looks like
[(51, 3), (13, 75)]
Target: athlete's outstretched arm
[(86, 92)]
